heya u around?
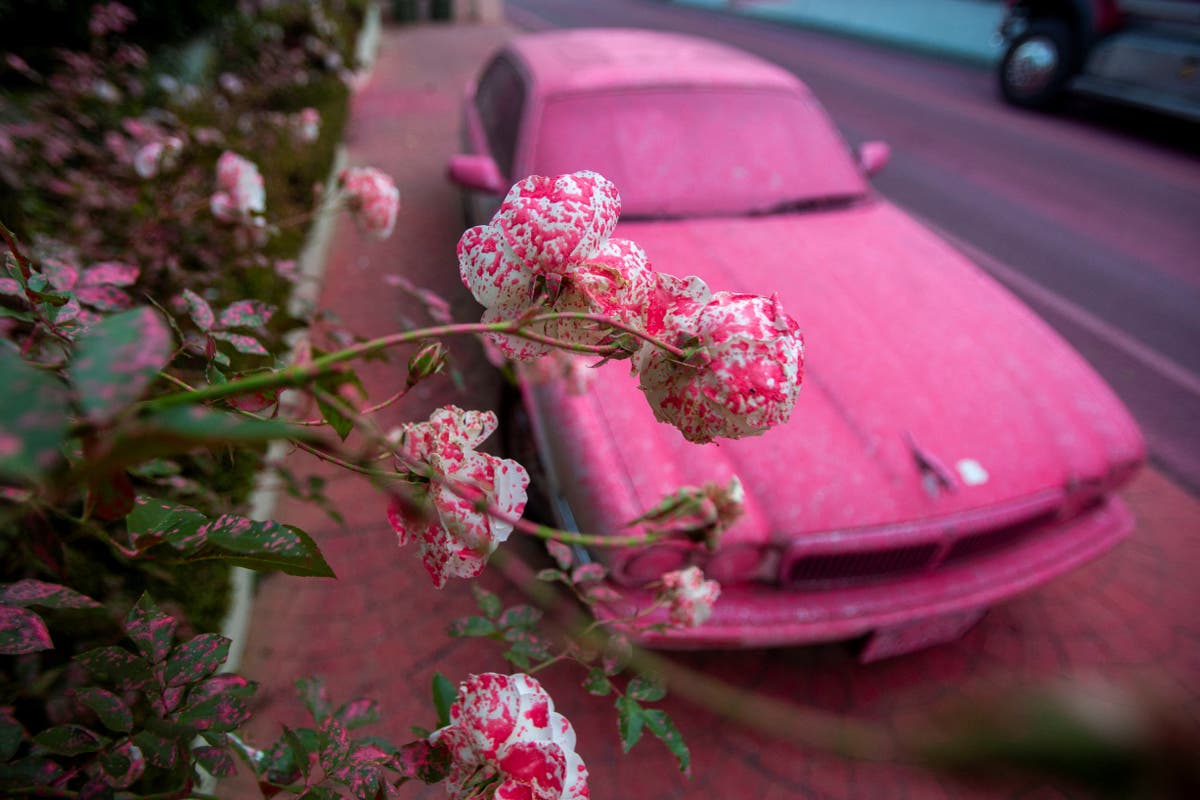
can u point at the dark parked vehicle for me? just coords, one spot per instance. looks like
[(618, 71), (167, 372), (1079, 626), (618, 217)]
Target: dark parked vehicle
[(1141, 52)]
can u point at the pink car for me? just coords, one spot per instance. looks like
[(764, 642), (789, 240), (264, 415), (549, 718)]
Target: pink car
[(948, 449)]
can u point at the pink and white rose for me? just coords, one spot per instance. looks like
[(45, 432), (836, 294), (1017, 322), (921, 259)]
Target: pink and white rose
[(454, 536), (546, 229), (689, 597), (744, 376), (373, 198), (505, 732), (240, 196), (306, 125)]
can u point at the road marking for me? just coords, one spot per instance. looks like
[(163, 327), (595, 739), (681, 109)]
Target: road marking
[(1167, 368)]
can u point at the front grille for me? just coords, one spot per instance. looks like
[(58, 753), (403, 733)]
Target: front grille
[(987, 543), (838, 569)]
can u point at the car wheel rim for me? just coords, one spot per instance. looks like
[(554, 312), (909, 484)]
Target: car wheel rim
[(1032, 65)]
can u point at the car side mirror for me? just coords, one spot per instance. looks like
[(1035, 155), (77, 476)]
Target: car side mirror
[(873, 156), (476, 172)]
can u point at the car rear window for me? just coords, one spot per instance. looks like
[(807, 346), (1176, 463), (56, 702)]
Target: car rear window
[(699, 152)]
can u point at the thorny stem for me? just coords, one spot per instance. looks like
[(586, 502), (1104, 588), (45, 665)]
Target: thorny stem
[(680, 354)]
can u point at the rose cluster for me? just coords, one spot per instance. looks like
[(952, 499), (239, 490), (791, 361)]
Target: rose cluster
[(688, 596), (451, 482), (732, 363), (505, 737)]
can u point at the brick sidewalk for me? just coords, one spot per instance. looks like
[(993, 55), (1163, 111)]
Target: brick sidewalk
[(378, 630)]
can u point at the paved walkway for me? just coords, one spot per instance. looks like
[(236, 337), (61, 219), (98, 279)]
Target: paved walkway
[(378, 629), (964, 29)]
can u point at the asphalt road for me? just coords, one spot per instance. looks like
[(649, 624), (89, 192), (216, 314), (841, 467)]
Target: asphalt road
[(1091, 215)]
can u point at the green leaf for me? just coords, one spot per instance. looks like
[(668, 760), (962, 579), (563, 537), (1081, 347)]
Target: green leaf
[(11, 734), (332, 383), (153, 520), (30, 592), (150, 629), (630, 716), (520, 617), (159, 751), (33, 419), (471, 626), (70, 740), (117, 360), (111, 710), (597, 682), (243, 343), (647, 688), (265, 545), (298, 750), (246, 314), (314, 696), (357, 713), (658, 723), (123, 765), (550, 575), (116, 665), (444, 695), (198, 309), (216, 761), (22, 631), (196, 659), (488, 603)]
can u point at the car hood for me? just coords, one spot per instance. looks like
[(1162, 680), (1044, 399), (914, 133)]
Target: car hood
[(928, 389)]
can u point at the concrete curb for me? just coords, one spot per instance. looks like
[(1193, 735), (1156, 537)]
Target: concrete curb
[(311, 268)]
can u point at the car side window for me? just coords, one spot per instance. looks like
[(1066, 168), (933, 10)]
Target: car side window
[(500, 99)]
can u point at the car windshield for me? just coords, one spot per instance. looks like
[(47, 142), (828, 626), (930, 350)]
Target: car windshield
[(700, 152)]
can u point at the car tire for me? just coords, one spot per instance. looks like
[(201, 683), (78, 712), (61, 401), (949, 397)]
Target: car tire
[(1037, 64)]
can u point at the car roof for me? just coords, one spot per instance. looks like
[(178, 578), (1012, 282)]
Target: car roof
[(593, 59)]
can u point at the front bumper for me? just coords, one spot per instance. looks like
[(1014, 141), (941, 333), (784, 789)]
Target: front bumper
[(759, 615)]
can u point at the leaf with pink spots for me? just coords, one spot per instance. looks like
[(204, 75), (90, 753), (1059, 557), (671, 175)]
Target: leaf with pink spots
[(116, 665), (217, 705), (198, 309), (61, 275), (215, 761), (150, 629), (266, 545), (153, 521), (70, 740), (104, 298), (116, 361), (335, 744), (358, 713), (659, 723), (22, 631), (11, 288), (122, 765), (427, 762), (110, 708), (33, 419), (109, 273), (196, 659), (243, 343), (159, 751), (315, 696), (246, 314), (31, 592)]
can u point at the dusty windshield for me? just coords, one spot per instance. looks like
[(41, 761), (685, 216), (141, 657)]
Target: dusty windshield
[(699, 152)]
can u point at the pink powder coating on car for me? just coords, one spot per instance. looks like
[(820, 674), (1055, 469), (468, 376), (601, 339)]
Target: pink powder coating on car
[(948, 450)]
